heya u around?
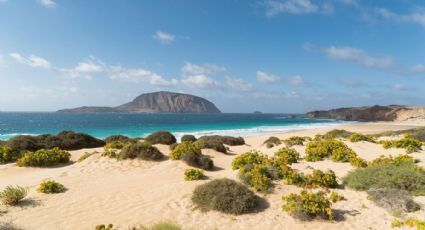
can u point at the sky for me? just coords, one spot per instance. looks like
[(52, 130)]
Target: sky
[(273, 56)]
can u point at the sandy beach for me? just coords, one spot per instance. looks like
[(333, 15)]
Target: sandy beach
[(126, 193)]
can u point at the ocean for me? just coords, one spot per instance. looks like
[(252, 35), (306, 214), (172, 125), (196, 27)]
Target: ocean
[(102, 125)]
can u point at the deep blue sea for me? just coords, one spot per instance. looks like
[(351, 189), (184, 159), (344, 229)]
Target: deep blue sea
[(102, 125)]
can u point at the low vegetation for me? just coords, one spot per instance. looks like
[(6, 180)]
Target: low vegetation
[(416, 133), (402, 176), (287, 155), (119, 138), (410, 222), (141, 150), (161, 137), (12, 195), (84, 156), (393, 200), (225, 195), (116, 144), (338, 133), (356, 137), (272, 141), (44, 158), (66, 140), (308, 205), (335, 197), (189, 138), (411, 145), (51, 186), (7, 155), (183, 148), (295, 140), (228, 140), (193, 174), (399, 159)]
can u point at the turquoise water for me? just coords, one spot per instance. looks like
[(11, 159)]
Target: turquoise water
[(102, 125)]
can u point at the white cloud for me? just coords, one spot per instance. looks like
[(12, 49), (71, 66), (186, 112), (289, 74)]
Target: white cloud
[(239, 84), (164, 37), (192, 69), (266, 77), (139, 76), (359, 56), (419, 68), (296, 80), (32, 60), (47, 3), (275, 7), (200, 81), (412, 17)]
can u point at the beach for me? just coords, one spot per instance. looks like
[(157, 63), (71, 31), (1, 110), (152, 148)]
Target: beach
[(127, 193)]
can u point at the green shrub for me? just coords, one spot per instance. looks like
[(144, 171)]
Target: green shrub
[(111, 153), (142, 150), (393, 200), (12, 195), (50, 186), (337, 150), (404, 176), (84, 156), (251, 157), (44, 157), (335, 197), (189, 138), (225, 195), (163, 225), (415, 133), (308, 205), (211, 144), (7, 155), (115, 145), (410, 222), (161, 137), (104, 227), (193, 174), (184, 147), (272, 141), (228, 140), (357, 162), (118, 138), (295, 140), (319, 178), (288, 155), (338, 133), (356, 137), (257, 176), (411, 145), (400, 159), (197, 160)]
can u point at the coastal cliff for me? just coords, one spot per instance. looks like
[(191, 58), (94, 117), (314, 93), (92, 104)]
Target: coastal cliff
[(156, 102), (372, 113)]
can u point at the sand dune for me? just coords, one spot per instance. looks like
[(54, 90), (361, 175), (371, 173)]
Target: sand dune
[(131, 192)]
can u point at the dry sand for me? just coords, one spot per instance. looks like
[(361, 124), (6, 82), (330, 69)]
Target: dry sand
[(131, 192)]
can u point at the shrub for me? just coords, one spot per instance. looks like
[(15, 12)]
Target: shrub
[(356, 137), (184, 147), (272, 141), (119, 138), (228, 140), (295, 140), (44, 157), (308, 205), (224, 195), (161, 137), (115, 145), (357, 162), (337, 150), (111, 153), (257, 176), (66, 140), (104, 227), (11, 195), (319, 178), (142, 150), (411, 145), (84, 156), (393, 200), (400, 159), (338, 133), (251, 157), (410, 222), (211, 144), (335, 197), (405, 176), (7, 155), (193, 174), (415, 133), (288, 155), (50, 186), (197, 160), (189, 138), (165, 225)]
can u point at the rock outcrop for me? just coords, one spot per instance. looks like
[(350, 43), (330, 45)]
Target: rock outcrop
[(371, 113), (157, 102)]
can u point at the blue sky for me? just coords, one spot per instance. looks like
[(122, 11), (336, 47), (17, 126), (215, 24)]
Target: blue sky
[(267, 55)]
